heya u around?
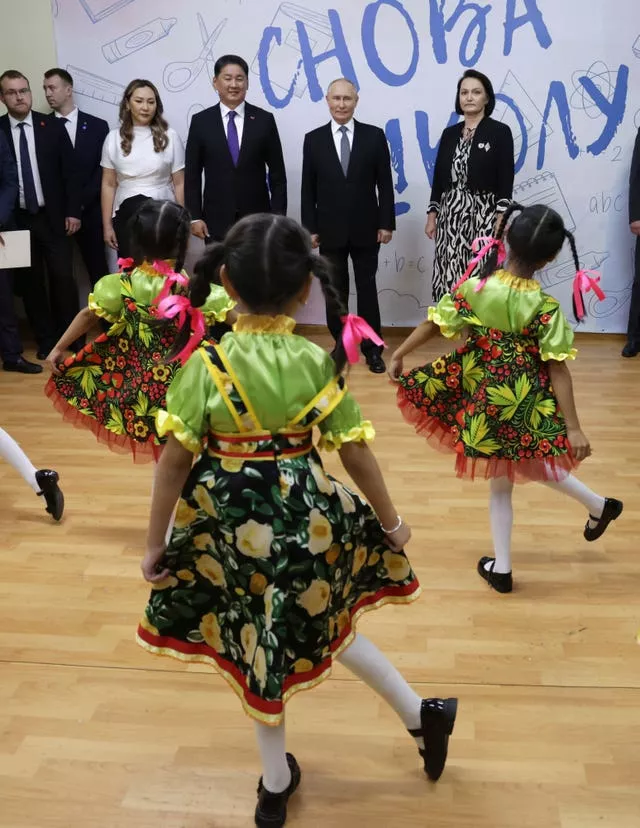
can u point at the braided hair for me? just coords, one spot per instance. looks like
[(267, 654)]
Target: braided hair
[(159, 230), (268, 259)]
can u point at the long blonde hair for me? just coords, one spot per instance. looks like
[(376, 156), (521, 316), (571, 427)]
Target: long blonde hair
[(158, 125)]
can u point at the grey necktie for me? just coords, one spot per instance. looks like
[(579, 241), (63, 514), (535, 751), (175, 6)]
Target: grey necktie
[(345, 149)]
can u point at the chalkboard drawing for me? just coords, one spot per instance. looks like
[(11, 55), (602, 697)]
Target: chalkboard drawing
[(99, 9), (93, 86), (564, 271), (55, 8), (133, 41), (512, 88), (543, 188), (636, 119), (179, 75), (400, 308), (285, 64), (612, 304), (636, 47), (603, 78), (193, 109)]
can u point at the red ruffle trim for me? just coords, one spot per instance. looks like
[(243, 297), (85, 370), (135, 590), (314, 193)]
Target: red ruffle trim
[(142, 452), (440, 436)]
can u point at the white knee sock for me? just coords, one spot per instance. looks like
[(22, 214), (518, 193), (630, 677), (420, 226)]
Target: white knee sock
[(14, 455), (501, 514), (570, 485), (276, 774), (366, 661)]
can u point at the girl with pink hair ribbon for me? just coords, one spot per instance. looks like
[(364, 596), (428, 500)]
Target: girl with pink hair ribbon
[(503, 403), (117, 383)]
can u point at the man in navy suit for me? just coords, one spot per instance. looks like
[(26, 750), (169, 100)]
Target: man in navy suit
[(234, 143), (48, 205), (10, 344), (87, 134)]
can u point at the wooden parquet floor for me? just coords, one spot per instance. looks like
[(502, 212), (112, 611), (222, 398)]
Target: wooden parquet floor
[(94, 732)]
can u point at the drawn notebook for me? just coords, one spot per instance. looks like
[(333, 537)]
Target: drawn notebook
[(544, 189)]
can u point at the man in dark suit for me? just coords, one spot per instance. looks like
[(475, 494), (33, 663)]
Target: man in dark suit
[(10, 344), (235, 144), (632, 347), (87, 134), (347, 205), (48, 206)]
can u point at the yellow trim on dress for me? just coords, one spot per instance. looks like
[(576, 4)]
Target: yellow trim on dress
[(149, 269), (274, 719), (545, 356), (257, 323), (517, 282), (365, 432), (334, 395), (217, 377), (98, 310), (238, 386), (434, 316), (166, 422)]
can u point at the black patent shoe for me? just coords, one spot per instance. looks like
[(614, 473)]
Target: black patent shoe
[(437, 718), (376, 364), (271, 810), (47, 479), (500, 581), (612, 510)]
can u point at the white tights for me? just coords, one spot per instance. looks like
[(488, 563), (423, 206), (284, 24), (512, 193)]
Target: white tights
[(14, 455), (366, 661), (501, 511)]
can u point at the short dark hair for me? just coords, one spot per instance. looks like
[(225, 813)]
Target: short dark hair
[(225, 60), (13, 74), (61, 73), (488, 88)]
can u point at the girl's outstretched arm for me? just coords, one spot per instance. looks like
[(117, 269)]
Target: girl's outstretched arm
[(420, 335), (80, 325), (563, 388), (361, 465)]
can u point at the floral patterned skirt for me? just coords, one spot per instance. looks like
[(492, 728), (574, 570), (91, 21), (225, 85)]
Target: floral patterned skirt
[(271, 563), (114, 387), (491, 403)]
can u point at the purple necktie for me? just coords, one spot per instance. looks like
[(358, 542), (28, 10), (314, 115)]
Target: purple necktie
[(232, 138)]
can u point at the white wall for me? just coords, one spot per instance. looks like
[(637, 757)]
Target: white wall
[(107, 42)]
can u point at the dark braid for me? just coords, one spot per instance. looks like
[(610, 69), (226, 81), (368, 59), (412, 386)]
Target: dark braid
[(322, 270), (491, 262), (576, 261)]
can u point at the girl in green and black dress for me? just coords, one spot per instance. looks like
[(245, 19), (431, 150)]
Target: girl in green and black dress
[(271, 561)]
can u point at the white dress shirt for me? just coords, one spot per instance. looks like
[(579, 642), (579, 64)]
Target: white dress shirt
[(337, 134), (224, 111), (143, 171), (31, 143), (72, 124)]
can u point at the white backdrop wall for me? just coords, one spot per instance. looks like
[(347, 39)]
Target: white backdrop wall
[(566, 73)]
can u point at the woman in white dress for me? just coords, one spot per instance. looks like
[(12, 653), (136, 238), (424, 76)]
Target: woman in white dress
[(143, 158)]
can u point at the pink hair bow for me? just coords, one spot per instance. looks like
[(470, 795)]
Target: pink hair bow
[(481, 247), (354, 331), (179, 306), (583, 282), (173, 278), (123, 264)]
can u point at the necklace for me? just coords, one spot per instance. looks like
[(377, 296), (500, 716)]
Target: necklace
[(468, 133)]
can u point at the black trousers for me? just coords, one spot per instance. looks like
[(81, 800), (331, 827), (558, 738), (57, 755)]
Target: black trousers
[(365, 267), (10, 343), (48, 289), (90, 239), (633, 330)]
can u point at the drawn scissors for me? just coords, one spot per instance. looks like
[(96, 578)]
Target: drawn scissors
[(179, 75)]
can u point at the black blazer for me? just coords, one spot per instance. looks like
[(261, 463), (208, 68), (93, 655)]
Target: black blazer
[(634, 183), (90, 136), (58, 172), (490, 170), (347, 209), (8, 184), (232, 192)]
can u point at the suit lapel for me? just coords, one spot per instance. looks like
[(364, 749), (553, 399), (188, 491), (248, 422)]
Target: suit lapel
[(6, 128), (330, 149), (355, 148), (248, 131), (218, 131)]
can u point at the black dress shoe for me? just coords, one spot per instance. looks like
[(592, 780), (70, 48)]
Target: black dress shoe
[(271, 810), (437, 718), (500, 581), (22, 366), (47, 479), (376, 364), (631, 349), (612, 510)]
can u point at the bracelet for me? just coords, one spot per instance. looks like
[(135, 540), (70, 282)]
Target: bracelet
[(395, 528)]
